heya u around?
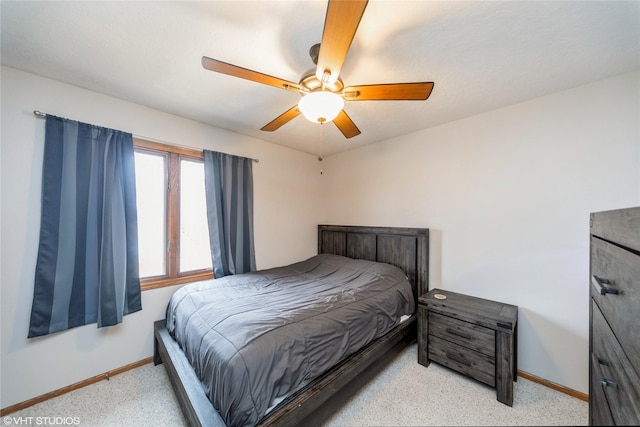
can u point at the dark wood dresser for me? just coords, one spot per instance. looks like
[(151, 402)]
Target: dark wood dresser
[(474, 336), (614, 316)]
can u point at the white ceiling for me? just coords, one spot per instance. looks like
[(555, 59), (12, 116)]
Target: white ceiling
[(481, 55)]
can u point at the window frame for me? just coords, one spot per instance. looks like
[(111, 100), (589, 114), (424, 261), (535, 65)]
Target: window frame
[(173, 155)]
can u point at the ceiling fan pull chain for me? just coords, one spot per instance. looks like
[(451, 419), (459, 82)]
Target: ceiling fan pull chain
[(321, 141)]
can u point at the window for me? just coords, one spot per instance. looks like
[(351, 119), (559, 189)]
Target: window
[(194, 230), (151, 198), (173, 235)]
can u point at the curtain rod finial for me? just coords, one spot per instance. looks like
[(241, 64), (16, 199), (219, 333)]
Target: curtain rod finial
[(39, 114)]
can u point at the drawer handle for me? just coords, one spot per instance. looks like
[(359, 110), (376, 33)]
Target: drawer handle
[(608, 383), (602, 361), (601, 285), (455, 358), (459, 334)]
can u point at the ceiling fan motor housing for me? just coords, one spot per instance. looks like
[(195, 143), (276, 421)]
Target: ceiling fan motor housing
[(310, 82)]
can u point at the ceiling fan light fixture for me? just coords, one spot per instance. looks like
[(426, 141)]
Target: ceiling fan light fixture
[(321, 106)]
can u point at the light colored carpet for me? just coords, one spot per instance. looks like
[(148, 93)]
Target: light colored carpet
[(403, 394), (408, 394)]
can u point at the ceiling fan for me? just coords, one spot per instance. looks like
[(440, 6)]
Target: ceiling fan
[(322, 89)]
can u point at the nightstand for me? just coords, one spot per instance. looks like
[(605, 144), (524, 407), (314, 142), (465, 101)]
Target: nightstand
[(474, 336)]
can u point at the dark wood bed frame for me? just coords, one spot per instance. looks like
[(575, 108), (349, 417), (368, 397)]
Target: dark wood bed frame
[(407, 248)]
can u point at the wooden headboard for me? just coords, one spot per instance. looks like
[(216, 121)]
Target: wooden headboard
[(406, 248)]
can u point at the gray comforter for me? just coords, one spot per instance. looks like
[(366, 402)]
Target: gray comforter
[(254, 337)]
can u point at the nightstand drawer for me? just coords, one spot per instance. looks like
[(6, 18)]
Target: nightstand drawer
[(612, 371), (463, 360), (464, 333)]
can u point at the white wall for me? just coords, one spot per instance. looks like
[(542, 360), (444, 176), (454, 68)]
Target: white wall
[(507, 195), (286, 187)]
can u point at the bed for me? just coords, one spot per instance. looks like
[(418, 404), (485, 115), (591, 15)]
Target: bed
[(313, 400)]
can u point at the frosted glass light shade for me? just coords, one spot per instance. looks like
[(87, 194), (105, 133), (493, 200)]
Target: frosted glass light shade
[(321, 107)]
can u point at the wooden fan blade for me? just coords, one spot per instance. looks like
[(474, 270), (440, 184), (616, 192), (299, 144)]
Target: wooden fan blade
[(391, 91), (243, 73), (283, 118), (346, 125), (340, 25)]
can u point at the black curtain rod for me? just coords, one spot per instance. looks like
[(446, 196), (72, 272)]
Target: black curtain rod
[(42, 115)]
